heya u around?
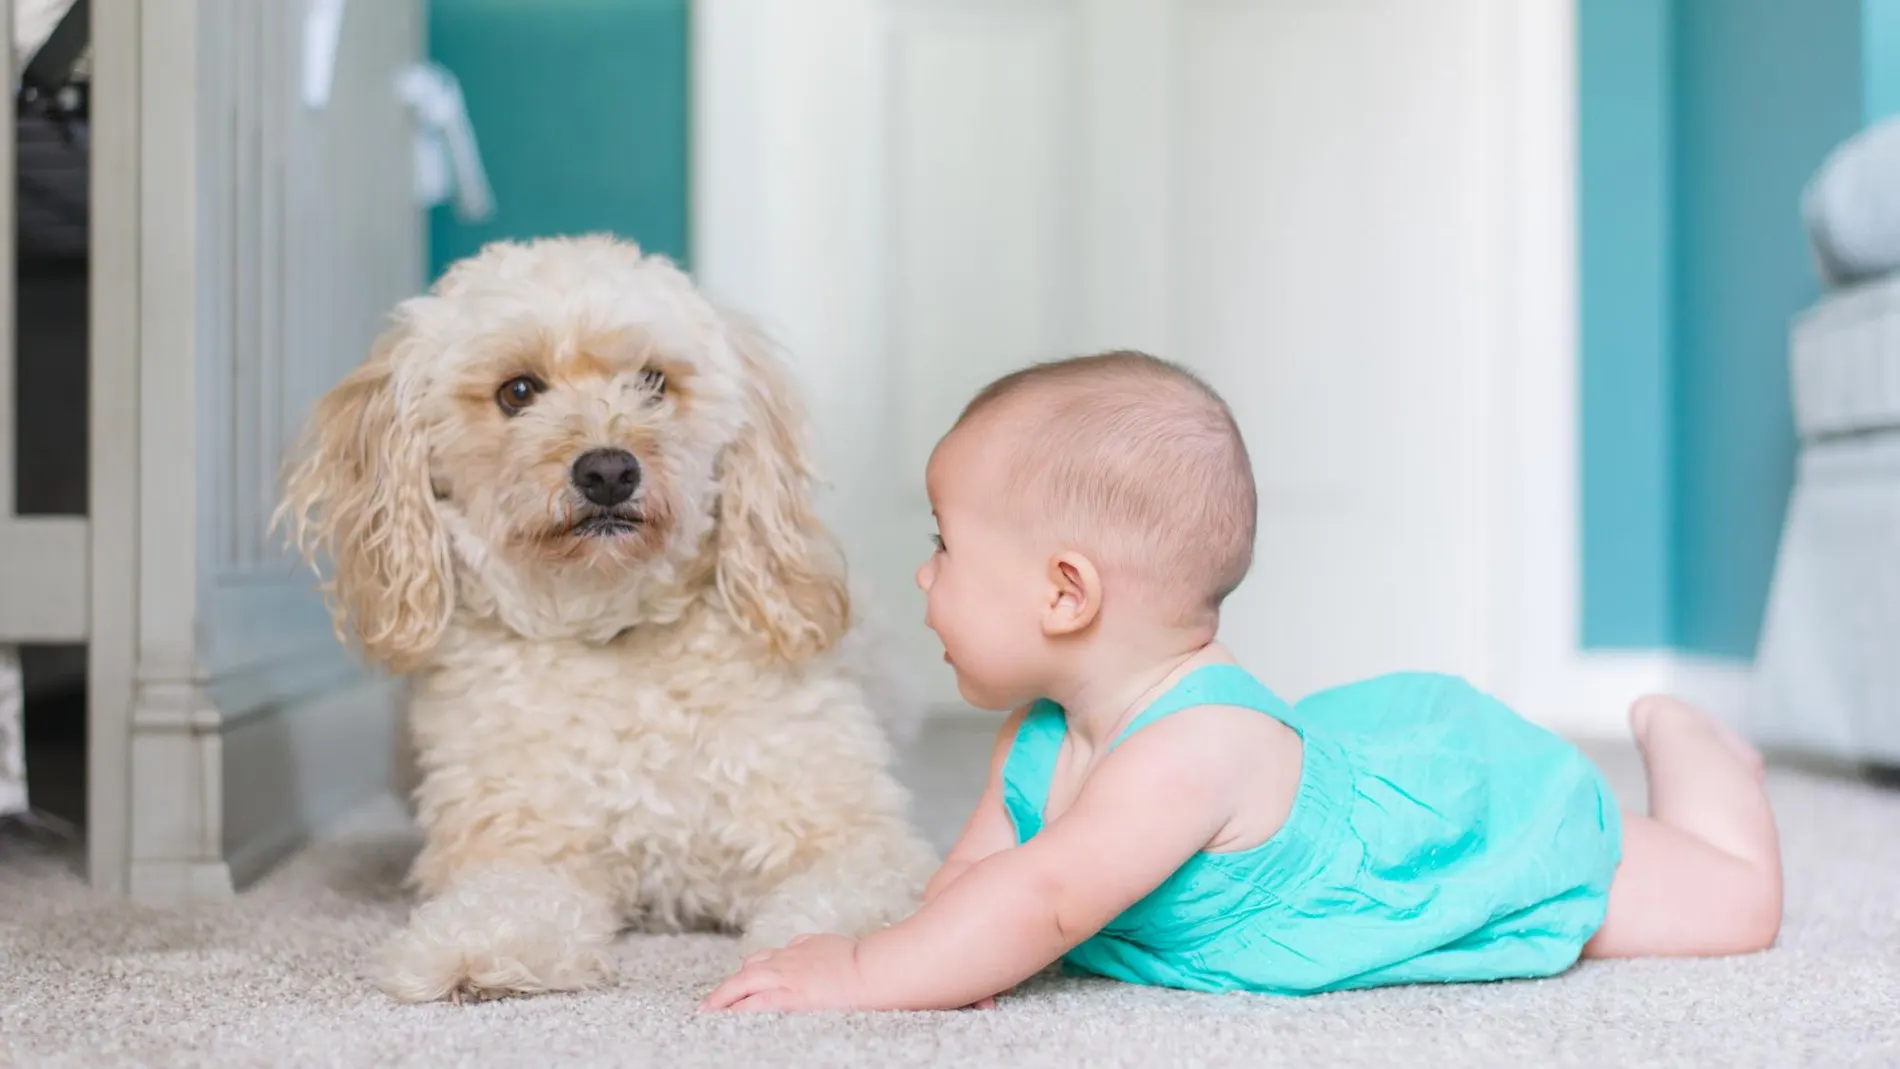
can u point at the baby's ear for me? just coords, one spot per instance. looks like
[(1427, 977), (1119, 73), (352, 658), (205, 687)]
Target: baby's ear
[(1075, 594), (358, 493), (778, 569)]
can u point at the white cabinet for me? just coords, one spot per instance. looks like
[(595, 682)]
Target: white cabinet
[(244, 251)]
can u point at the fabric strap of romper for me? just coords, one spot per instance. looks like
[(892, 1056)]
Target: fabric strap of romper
[(1214, 684), (1031, 760)]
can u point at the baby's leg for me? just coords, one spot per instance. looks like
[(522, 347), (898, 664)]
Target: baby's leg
[(1701, 875)]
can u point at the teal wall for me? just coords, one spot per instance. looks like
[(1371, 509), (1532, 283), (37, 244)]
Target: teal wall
[(1625, 210), (1700, 121), (581, 111), (1765, 88), (1880, 57)]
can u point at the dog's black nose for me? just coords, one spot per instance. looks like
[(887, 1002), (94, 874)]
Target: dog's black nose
[(606, 476)]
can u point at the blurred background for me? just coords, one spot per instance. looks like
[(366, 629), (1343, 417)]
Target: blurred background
[(1565, 333)]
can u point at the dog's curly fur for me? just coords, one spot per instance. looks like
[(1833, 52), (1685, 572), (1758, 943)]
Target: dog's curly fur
[(660, 713)]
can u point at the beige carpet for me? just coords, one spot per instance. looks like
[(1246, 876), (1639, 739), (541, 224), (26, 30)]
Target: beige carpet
[(273, 979)]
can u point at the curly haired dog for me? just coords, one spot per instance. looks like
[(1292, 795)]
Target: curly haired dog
[(568, 497)]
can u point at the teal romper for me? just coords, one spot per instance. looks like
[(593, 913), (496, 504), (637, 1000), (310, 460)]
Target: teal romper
[(1436, 836)]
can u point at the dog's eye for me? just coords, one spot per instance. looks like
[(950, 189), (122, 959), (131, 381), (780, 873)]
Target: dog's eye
[(517, 394), (654, 380)]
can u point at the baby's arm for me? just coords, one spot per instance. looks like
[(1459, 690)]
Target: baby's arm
[(1151, 806), (989, 828)]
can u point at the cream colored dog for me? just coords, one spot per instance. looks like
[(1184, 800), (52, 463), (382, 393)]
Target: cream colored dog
[(568, 497)]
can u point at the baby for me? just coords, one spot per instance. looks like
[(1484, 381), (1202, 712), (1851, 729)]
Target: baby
[(1155, 814)]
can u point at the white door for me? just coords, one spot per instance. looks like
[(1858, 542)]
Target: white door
[(1295, 197)]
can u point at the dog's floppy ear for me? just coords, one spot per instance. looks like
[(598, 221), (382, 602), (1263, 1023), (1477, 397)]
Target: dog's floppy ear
[(777, 568), (358, 492)]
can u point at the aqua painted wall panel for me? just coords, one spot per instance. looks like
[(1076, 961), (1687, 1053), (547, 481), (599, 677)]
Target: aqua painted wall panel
[(1880, 57), (1764, 89), (1721, 109), (581, 109), (1625, 229)]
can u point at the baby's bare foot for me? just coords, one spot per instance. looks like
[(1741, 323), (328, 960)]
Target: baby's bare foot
[(1660, 712)]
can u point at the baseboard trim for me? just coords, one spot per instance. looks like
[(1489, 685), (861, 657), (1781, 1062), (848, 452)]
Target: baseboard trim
[(1723, 686), (288, 774), (168, 882), (1591, 696)]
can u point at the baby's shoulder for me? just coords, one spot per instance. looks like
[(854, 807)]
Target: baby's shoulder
[(1242, 760)]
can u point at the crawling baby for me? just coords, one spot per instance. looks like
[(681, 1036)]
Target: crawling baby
[(1156, 814)]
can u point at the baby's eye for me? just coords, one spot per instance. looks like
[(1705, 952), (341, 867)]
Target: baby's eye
[(936, 541)]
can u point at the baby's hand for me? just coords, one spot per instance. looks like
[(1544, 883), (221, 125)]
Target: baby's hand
[(813, 972)]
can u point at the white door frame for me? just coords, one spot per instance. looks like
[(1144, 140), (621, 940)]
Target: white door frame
[(763, 200), (122, 92)]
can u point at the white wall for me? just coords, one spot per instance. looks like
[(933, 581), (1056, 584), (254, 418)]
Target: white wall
[(805, 214)]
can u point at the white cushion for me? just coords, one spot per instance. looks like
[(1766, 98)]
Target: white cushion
[(1827, 677), (1845, 357), (1851, 207)]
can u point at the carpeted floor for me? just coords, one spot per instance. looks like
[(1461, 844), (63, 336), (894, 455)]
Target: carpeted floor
[(273, 979)]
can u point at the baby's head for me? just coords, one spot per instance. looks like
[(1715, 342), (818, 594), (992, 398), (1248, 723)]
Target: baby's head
[(1107, 495)]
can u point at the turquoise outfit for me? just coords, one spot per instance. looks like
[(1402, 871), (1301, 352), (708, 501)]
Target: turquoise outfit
[(1436, 836)]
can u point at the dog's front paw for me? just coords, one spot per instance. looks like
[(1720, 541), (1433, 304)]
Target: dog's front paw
[(499, 933), (415, 967), (786, 921), (854, 891)]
